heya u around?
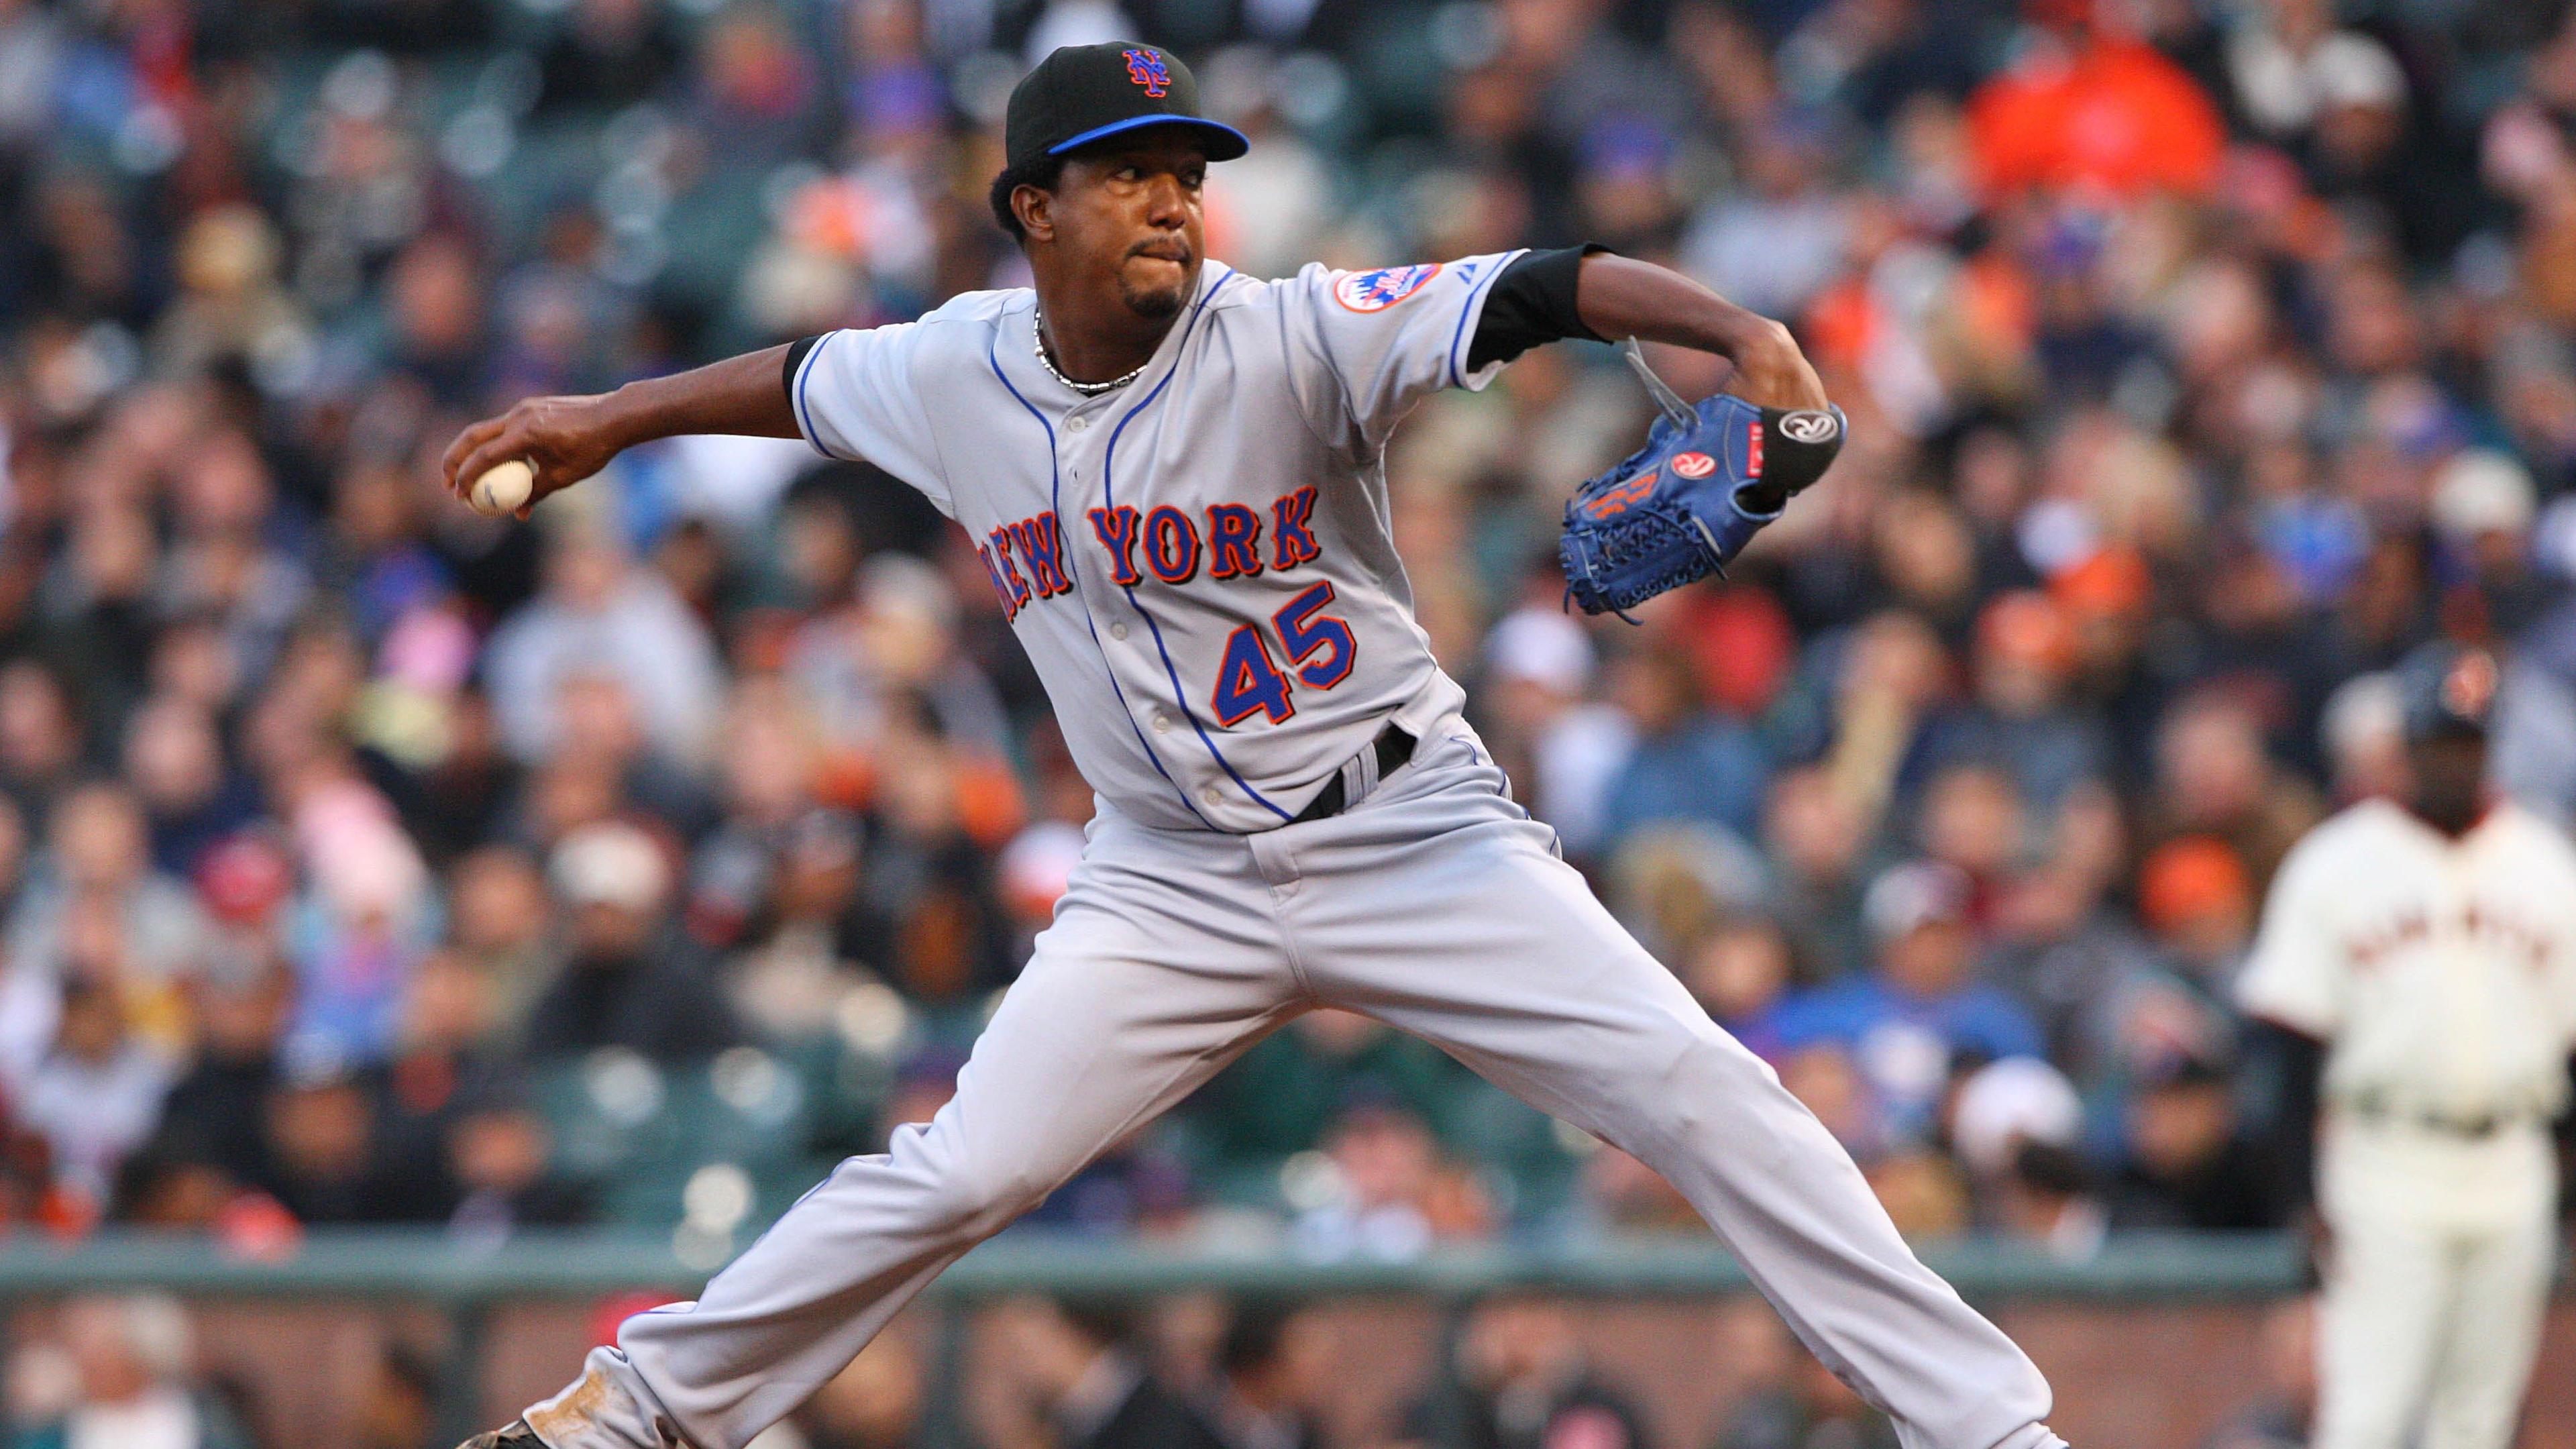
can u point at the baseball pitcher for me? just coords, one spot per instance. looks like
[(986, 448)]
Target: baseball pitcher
[(1172, 473)]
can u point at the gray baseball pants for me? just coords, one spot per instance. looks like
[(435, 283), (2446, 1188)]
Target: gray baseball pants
[(1435, 905)]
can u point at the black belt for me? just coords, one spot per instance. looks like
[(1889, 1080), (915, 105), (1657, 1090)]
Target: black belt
[(2477, 1127), (1392, 746)]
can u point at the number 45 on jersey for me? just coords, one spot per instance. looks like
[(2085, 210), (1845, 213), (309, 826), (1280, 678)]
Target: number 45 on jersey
[(1318, 646)]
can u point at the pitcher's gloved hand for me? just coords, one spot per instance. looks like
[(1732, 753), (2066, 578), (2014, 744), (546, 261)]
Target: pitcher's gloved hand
[(1686, 503)]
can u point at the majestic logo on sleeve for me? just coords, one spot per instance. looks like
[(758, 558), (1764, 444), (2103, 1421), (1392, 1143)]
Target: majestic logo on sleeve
[(1146, 69), (1378, 290)]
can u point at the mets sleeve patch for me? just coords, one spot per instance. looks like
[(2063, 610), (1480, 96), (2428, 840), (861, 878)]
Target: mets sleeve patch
[(1375, 291)]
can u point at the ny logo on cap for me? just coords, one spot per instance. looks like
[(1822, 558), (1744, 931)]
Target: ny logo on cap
[(1146, 69)]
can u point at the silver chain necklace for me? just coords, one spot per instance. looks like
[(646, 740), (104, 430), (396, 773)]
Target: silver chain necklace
[(1037, 344)]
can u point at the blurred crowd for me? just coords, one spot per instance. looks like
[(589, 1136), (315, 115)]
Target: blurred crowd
[(366, 861)]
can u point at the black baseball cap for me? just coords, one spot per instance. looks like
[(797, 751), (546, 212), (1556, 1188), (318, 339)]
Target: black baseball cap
[(1085, 93)]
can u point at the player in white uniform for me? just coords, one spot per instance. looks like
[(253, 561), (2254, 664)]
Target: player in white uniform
[(1172, 473), (2430, 947)]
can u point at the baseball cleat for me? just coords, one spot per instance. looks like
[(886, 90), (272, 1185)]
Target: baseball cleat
[(514, 1435)]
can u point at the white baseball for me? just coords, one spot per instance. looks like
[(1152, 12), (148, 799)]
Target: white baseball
[(503, 489)]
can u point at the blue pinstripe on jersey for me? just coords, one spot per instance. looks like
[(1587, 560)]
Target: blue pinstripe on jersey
[(1055, 481), (1108, 469)]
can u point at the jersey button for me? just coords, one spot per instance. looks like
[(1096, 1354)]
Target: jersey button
[(1075, 425), (1162, 724), (1117, 631), (1212, 795)]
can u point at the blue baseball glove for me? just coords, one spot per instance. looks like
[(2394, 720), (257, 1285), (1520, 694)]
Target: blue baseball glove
[(1681, 507)]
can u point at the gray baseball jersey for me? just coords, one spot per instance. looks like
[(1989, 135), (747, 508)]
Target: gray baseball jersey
[(1200, 563)]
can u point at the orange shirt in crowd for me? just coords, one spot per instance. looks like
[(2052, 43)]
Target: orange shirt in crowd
[(2115, 117)]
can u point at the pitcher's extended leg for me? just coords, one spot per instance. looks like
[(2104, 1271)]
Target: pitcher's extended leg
[(1117, 1016), (1443, 911)]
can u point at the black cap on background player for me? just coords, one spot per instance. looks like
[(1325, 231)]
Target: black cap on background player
[(2450, 694), (1085, 93)]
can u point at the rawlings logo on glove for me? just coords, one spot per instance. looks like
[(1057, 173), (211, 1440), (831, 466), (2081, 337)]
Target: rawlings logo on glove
[(1681, 507)]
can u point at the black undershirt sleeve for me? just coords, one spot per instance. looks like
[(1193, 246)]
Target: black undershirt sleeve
[(796, 351), (1532, 302), (2291, 1068), (2565, 1128)]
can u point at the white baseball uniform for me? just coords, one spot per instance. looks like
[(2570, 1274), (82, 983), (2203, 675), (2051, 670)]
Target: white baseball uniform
[(1201, 566), (2442, 974)]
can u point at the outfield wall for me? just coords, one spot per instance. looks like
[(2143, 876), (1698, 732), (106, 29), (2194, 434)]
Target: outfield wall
[(2150, 1344)]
